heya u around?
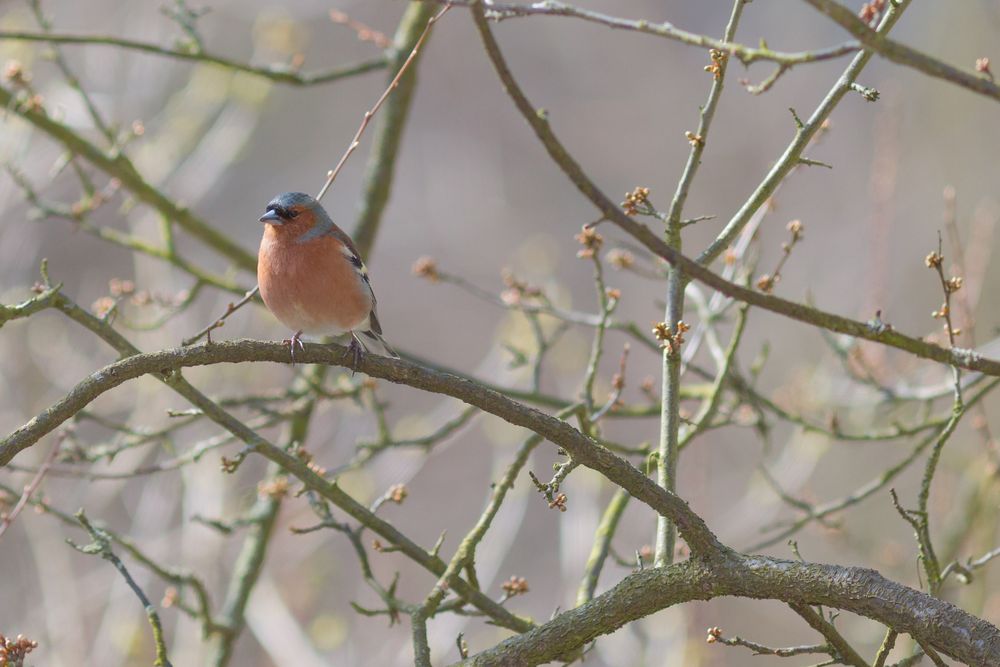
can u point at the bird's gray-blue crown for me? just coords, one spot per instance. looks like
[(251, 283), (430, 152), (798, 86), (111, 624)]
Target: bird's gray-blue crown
[(287, 206), (291, 199)]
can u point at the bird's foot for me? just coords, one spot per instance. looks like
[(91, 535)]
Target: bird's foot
[(292, 343), (357, 353)]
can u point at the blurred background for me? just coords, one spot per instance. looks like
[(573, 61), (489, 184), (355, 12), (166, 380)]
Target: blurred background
[(475, 190)]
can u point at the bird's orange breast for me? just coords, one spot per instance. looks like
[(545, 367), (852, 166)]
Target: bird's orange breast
[(311, 286)]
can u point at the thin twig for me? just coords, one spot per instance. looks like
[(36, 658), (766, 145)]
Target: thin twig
[(230, 309), (8, 518), (101, 546), (355, 142), (277, 73), (715, 637)]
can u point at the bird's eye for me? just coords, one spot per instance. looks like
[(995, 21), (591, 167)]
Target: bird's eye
[(291, 213)]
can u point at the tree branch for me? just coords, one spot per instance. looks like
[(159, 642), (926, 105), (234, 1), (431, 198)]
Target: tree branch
[(277, 73), (671, 360), (902, 54), (861, 591), (165, 365), (746, 55), (101, 546), (292, 464), (816, 621)]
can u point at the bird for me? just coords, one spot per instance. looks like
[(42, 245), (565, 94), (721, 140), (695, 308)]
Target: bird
[(312, 277)]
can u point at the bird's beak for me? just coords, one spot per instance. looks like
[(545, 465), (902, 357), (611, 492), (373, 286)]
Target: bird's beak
[(271, 218)]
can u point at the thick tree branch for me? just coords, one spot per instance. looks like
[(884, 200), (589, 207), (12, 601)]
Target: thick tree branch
[(166, 364), (292, 464), (861, 591)]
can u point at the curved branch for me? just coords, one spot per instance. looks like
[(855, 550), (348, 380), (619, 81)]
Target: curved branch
[(166, 364), (718, 572), (861, 591), (293, 464)]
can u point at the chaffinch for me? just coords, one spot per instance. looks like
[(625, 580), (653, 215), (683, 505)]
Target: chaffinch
[(312, 278)]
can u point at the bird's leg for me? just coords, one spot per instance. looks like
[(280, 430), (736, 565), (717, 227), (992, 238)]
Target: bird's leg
[(292, 342), (357, 352)]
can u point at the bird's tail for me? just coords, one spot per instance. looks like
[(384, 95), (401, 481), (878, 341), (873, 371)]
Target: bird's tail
[(381, 347)]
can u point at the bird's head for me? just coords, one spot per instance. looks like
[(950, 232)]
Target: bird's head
[(294, 213)]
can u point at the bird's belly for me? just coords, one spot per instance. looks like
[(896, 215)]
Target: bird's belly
[(312, 297)]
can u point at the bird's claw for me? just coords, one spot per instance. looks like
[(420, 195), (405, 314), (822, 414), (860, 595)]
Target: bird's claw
[(292, 343), (357, 354)]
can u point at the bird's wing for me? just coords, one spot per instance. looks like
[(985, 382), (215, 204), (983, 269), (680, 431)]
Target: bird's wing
[(354, 257)]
